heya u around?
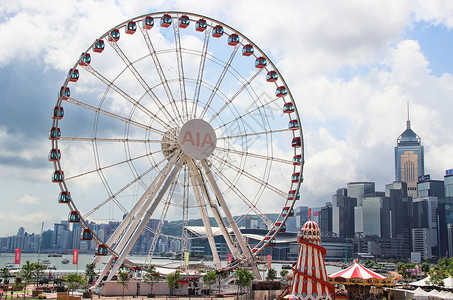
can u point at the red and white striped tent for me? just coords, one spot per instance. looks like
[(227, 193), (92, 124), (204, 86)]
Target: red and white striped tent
[(358, 274)]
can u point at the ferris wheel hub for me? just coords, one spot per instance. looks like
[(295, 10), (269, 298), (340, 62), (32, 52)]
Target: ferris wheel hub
[(197, 139)]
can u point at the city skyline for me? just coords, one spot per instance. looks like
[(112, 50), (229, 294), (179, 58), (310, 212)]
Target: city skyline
[(383, 54)]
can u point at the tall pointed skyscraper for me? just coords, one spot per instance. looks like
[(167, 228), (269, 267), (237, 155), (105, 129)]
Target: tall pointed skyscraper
[(409, 158)]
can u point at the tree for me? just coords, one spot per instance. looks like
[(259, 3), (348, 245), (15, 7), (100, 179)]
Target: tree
[(271, 274), (151, 276), (38, 271), (90, 273), (244, 278), (172, 281), (210, 278), (26, 274), (221, 274), (74, 281), (283, 273), (4, 273), (123, 279)]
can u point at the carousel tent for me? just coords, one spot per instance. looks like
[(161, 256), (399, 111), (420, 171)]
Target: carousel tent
[(422, 282), (358, 274)]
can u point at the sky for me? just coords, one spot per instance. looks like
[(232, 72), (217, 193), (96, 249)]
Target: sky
[(352, 68)]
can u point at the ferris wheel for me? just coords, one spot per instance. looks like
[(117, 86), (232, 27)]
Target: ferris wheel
[(175, 116)]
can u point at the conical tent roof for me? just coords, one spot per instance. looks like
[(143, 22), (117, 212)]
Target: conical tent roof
[(357, 271)]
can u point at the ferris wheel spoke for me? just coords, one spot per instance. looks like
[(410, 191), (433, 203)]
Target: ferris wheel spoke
[(115, 116), (203, 55), (254, 155), (251, 206), (219, 81), (252, 134), (182, 85), (112, 165), (96, 139), (246, 84), (142, 82), (251, 111), (158, 66), (250, 176), (125, 95)]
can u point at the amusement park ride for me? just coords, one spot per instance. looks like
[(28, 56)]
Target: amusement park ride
[(180, 116)]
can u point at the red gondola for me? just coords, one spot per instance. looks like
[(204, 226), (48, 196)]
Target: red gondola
[(288, 108), (73, 75), (130, 28), (293, 124), (86, 235), (297, 160), (260, 62), (184, 21), (101, 250), (74, 217), (54, 133), (295, 177), (292, 194), (114, 35), (54, 155), (58, 113), (271, 76), (99, 46), (148, 22), (58, 176), (85, 59), (281, 91), (287, 211), (217, 31), (201, 25), (64, 197), (233, 40), (272, 242), (65, 93), (165, 21), (296, 142), (247, 50), (282, 229)]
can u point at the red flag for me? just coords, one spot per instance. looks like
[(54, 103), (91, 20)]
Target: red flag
[(229, 257), (309, 213), (17, 257), (269, 259), (75, 257)]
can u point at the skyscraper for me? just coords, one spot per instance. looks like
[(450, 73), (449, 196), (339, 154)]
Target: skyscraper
[(409, 158)]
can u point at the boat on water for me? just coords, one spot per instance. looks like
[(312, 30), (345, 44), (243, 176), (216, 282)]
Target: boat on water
[(54, 255), (65, 261), (11, 266)]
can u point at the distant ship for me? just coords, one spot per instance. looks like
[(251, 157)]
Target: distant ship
[(54, 255), (65, 261)]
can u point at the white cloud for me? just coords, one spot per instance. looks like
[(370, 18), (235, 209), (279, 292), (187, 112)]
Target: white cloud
[(27, 199)]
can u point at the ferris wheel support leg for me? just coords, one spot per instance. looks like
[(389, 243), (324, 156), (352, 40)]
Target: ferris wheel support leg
[(204, 214), (138, 230), (132, 219), (229, 240), (244, 246)]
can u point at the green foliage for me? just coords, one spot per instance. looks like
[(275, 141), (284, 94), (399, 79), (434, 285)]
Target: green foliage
[(221, 274), (283, 273), (210, 278), (244, 278), (151, 276), (89, 272), (4, 273), (172, 281), (271, 274), (74, 281), (123, 279), (425, 267)]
